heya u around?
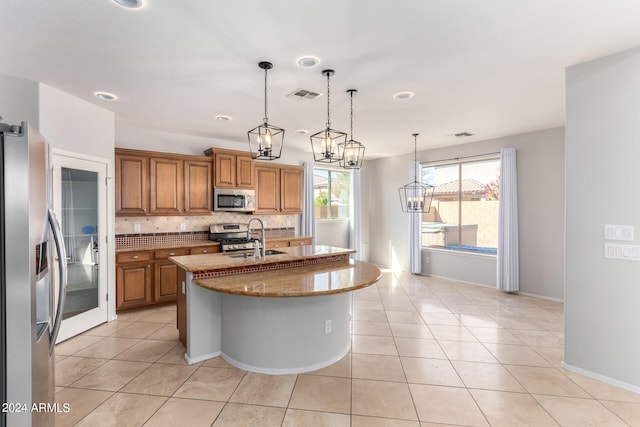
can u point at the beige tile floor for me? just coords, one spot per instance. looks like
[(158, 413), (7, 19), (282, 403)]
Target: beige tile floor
[(426, 352)]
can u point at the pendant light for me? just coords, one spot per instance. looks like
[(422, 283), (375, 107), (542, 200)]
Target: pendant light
[(351, 152), (415, 196), (265, 141), (324, 144)]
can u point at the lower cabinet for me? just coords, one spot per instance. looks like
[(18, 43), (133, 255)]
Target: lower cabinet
[(148, 277), (133, 279)]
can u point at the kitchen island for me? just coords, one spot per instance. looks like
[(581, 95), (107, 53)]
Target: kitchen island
[(286, 313)]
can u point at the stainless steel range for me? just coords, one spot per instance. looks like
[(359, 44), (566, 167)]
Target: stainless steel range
[(232, 237)]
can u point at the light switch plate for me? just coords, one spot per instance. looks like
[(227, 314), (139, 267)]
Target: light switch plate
[(619, 232), (622, 251)]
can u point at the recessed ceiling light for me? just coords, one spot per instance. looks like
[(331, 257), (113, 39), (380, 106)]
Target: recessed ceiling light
[(223, 118), (301, 132), (307, 61), (130, 4), (403, 95), (105, 96)]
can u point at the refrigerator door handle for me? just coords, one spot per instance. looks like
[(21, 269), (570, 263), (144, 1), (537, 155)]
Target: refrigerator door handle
[(62, 286)]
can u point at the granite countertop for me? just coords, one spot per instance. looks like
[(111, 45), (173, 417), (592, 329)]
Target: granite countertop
[(167, 246), (219, 261), (309, 280)]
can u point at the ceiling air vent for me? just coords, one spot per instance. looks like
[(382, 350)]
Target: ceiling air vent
[(303, 94)]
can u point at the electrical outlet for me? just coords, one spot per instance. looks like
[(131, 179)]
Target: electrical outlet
[(136, 228), (183, 226), (327, 327), (427, 260)]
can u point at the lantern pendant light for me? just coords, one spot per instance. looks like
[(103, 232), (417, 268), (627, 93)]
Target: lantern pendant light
[(266, 141), (351, 153), (324, 144), (415, 196)]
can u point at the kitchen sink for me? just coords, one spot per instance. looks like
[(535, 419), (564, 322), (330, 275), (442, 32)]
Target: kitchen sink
[(250, 254)]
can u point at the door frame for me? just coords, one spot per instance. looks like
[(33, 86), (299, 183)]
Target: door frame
[(106, 236)]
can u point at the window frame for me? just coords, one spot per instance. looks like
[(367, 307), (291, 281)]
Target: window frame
[(330, 169), (459, 162)]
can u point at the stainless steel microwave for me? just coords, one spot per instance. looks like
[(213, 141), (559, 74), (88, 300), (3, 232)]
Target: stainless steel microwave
[(234, 200)]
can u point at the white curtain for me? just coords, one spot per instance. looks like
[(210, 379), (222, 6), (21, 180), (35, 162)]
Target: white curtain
[(355, 208), (308, 218), (415, 226), (508, 254)]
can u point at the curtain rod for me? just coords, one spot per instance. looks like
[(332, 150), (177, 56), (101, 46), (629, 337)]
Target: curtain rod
[(462, 157)]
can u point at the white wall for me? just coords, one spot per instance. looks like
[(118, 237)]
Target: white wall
[(19, 101), (72, 124), (540, 157), (602, 296), (170, 142), (332, 233)]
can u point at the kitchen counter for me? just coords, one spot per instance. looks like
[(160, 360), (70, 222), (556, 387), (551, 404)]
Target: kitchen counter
[(310, 280), (218, 261), (289, 313)]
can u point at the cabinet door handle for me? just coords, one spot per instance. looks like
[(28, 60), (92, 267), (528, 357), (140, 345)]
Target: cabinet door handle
[(134, 257), (148, 266), (205, 251), (171, 254)]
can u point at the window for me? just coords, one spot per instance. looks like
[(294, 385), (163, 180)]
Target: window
[(464, 210), (331, 190)]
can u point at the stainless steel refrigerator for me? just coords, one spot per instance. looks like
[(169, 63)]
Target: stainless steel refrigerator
[(32, 279)]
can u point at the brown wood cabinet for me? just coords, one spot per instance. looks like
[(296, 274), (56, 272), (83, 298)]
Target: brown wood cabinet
[(133, 279), (232, 169), (278, 189), (131, 184), (150, 183), (197, 186), (267, 189), (284, 243), (148, 277), (291, 190), (167, 191), (165, 274)]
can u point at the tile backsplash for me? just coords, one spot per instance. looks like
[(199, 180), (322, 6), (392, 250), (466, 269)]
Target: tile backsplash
[(170, 224)]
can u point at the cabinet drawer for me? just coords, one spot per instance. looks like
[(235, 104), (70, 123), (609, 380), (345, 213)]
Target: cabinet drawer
[(276, 244), (166, 253), (204, 250), (135, 256), (300, 242)]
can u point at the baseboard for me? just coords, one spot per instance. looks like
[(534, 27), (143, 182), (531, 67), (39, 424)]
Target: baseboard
[(192, 360), (278, 371), (604, 379)]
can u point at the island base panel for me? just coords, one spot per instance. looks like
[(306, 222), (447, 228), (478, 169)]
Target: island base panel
[(285, 335)]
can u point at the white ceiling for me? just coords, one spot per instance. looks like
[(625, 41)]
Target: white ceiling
[(489, 67)]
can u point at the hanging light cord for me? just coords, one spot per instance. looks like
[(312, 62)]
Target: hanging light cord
[(352, 115), (265, 96), (328, 95), (415, 155)]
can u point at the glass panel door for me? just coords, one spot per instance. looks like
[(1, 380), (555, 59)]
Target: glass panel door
[(79, 223), (80, 203)]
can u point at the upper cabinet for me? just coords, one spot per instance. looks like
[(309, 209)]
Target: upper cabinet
[(149, 183), (132, 183), (167, 186), (232, 169), (278, 189), (197, 186)]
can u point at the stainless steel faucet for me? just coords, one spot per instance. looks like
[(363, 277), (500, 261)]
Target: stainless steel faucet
[(262, 245)]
